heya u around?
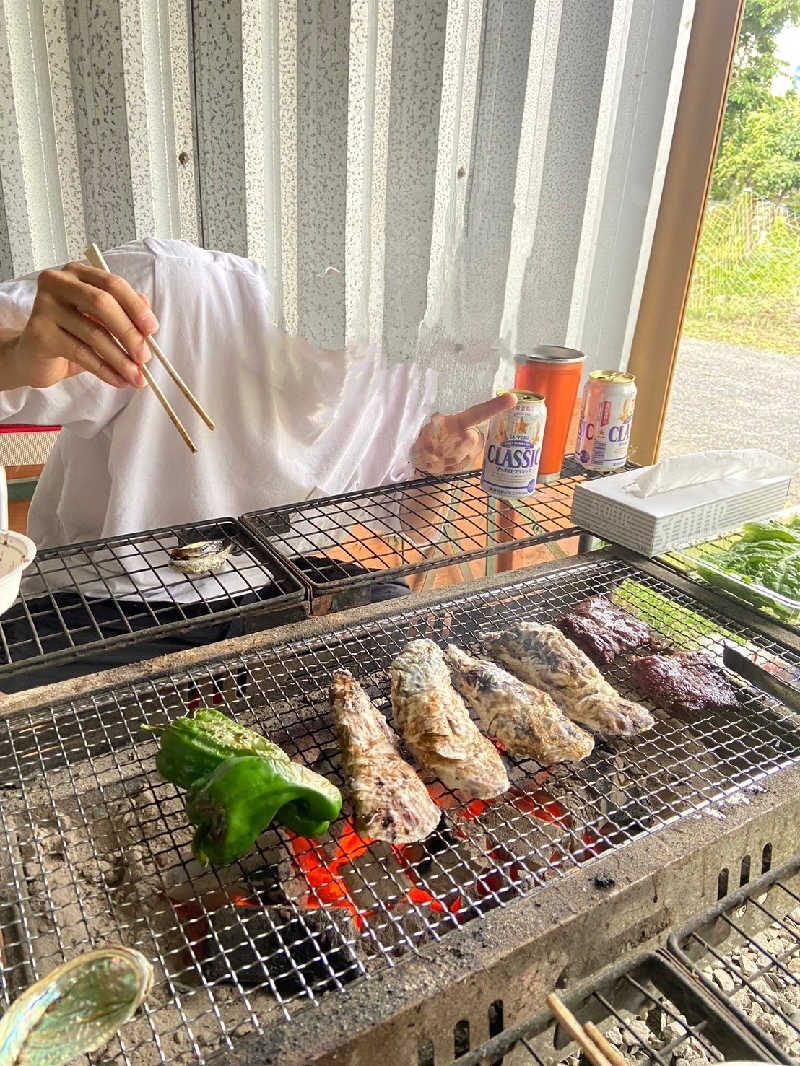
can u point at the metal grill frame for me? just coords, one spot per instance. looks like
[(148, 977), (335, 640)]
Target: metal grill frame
[(497, 944), (550, 509), (710, 938), (652, 982), (54, 563)]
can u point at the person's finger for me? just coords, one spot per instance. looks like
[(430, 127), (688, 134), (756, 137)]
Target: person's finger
[(75, 351), (135, 306), (481, 412), (101, 342), (103, 297)]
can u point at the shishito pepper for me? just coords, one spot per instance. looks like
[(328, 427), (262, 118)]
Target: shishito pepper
[(238, 782)]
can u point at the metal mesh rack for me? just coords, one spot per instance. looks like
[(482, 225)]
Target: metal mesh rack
[(99, 595), (332, 542), (94, 847), (647, 1008), (746, 951)]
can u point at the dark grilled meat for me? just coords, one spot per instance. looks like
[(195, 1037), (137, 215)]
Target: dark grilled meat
[(687, 685), (603, 630)]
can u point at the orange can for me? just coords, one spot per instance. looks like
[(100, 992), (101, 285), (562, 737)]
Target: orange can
[(554, 373)]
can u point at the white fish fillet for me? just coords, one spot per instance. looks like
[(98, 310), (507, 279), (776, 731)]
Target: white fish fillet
[(389, 801), (544, 657), (524, 719), (436, 725)]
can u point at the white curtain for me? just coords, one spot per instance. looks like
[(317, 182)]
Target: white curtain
[(455, 181)]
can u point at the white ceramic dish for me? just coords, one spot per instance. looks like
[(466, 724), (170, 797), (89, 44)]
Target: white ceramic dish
[(16, 552)]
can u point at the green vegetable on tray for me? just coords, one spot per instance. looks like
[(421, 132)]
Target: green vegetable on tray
[(237, 783), (765, 560)]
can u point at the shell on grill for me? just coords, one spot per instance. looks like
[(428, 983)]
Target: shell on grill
[(76, 1008), (201, 557)]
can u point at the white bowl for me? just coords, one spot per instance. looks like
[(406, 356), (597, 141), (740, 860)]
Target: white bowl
[(16, 552)]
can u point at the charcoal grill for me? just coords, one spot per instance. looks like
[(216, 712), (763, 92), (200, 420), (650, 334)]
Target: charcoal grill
[(648, 1006), (340, 537), (333, 953), (751, 976), (96, 596)]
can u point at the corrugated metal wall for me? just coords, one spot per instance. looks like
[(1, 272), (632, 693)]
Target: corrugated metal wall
[(444, 178)]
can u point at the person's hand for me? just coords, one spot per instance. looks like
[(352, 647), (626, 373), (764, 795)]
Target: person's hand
[(84, 319), (448, 444)]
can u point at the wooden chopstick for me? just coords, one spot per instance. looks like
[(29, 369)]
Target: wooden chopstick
[(597, 1051), (610, 1052), (95, 257)]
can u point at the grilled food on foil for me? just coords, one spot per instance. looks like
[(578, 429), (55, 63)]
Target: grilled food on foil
[(603, 630), (686, 684), (389, 801), (436, 725), (202, 557), (524, 719), (75, 1009), (544, 657)]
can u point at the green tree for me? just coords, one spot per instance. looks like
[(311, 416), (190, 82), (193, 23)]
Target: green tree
[(755, 67), (763, 153)]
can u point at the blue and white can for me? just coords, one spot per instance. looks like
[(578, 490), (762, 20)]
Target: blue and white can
[(514, 448)]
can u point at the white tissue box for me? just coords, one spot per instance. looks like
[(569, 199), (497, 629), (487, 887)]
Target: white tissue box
[(675, 519)]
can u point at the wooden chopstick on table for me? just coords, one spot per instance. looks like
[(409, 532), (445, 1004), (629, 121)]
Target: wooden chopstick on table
[(95, 257), (591, 1041)]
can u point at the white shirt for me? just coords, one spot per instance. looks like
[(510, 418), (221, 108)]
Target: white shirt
[(293, 421)]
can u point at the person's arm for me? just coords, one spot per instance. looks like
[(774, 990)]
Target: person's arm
[(447, 444), (82, 320)]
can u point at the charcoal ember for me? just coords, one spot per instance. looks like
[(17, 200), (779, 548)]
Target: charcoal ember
[(294, 950), (687, 684), (603, 630)]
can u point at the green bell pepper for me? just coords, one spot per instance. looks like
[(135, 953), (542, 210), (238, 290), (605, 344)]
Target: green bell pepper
[(237, 782), (233, 805), (193, 746)]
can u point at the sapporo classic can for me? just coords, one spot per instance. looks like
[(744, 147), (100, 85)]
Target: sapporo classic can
[(606, 415), (514, 448)]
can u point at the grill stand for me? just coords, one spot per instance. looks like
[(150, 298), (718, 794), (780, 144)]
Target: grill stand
[(564, 932)]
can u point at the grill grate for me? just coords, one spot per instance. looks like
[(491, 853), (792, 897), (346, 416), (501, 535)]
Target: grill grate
[(650, 1011), (756, 974), (331, 542), (94, 847), (112, 593)]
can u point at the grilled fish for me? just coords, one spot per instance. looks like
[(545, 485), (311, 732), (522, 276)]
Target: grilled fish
[(389, 801), (436, 725), (544, 657), (524, 719)]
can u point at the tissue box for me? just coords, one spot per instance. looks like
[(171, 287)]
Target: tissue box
[(673, 519)]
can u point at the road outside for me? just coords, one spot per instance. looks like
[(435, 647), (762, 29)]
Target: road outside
[(726, 396)]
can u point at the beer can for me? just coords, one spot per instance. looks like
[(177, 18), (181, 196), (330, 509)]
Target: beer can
[(606, 415), (514, 448), (555, 373)]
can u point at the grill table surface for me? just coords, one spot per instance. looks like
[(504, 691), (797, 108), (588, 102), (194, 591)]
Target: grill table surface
[(70, 604), (360, 530), (96, 849)]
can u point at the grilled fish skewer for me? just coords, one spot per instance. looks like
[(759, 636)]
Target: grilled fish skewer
[(436, 725), (524, 719), (389, 801), (544, 657)]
